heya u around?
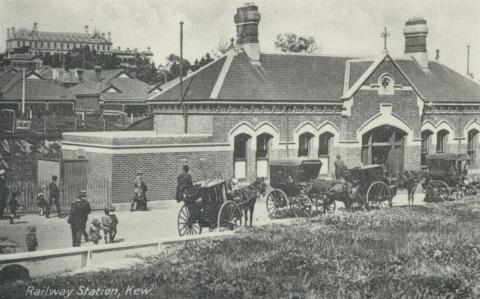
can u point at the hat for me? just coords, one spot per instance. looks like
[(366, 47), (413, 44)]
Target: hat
[(83, 193), (112, 209)]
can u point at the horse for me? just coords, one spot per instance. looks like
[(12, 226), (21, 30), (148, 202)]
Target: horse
[(247, 196), (409, 180)]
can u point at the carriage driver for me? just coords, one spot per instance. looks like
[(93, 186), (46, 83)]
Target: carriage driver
[(340, 168), (183, 180)]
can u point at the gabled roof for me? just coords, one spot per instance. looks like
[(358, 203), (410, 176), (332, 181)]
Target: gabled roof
[(35, 89), (278, 77), (71, 76), (66, 37), (129, 90), (311, 78), (89, 86)]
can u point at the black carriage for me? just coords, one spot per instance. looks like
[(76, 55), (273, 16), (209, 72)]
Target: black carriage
[(371, 187), (290, 180), (447, 177), (206, 205)]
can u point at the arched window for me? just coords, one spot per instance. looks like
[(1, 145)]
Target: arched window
[(472, 146), (325, 152), (442, 137), (305, 141), (425, 148)]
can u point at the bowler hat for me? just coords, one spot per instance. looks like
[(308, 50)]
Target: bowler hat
[(83, 193)]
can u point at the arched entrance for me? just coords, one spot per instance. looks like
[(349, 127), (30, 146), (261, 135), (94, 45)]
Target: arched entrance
[(384, 145), (240, 155), (262, 154)]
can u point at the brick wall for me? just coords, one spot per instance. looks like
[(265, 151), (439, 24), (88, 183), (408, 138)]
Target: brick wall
[(161, 171)]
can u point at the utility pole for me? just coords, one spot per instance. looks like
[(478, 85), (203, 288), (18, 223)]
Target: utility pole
[(185, 122), (23, 91), (468, 60)]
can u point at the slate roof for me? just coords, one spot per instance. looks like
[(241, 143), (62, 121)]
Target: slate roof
[(307, 78), (62, 76), (35, 89), (129, 90), (66, 37)]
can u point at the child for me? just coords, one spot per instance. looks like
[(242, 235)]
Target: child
[(41, 202), (95, 231), (31, 238), (107, 225), (13, 205), (114, 223)]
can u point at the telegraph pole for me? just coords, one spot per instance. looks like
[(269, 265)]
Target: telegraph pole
[(185, 123), (468, 60), (23, 92)]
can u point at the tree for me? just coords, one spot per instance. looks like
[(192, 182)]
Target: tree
[(290, 42), (173, 64), (223, 47)]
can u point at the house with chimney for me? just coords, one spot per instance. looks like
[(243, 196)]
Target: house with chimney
[(249, 107), (97, 91)]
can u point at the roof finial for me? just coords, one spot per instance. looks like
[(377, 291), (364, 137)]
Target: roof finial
[(385, 35)]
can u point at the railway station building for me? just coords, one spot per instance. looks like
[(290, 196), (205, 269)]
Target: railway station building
[(249, 107)]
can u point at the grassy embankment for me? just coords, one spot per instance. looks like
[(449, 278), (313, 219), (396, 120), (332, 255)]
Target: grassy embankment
[(419, 252)]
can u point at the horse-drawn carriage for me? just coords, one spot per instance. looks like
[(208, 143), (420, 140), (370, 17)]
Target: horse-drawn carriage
[(207, 205), (290, 180), (446, 177)]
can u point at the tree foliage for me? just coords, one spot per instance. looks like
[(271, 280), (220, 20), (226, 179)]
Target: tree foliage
[(291, 42)]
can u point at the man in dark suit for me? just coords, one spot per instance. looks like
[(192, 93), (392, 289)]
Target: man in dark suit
[(183, 180), (86, 210), (3, 192), (53, 196), (76, 219)]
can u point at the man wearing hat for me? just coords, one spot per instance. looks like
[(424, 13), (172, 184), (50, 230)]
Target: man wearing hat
[(139, 189), (76, 219), (183, 180), (85, 211), (53, 196), (3, 192)]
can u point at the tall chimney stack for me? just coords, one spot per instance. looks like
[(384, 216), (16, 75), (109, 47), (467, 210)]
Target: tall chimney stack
[(35, 26), (247, 20), (98, 72), (13, 32), (415, 32), (109, 36), (86, 29), (8, 32)]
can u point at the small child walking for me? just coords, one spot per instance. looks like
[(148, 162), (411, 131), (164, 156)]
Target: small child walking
[(41, 202), (114, 223), (95, 231), (13, 206), (31, 238)]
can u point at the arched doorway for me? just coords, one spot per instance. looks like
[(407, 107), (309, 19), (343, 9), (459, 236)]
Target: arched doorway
[(325, 151), (262, 154), (384, 145), (241, 155)]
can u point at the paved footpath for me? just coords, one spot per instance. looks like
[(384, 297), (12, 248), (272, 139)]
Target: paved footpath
[(133, 226)]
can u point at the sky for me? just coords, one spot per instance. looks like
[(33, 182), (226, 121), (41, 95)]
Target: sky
[(340, 27)]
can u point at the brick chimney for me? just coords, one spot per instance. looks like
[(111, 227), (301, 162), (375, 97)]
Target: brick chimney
[(247, 20), (86, 29), (13, 32), (80, 75), (35, 26), (415, 32), (109, 36), (98, 72), (8, 32)]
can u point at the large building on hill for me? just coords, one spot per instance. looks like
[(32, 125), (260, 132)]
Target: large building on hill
[(40, 42), (249, 107)]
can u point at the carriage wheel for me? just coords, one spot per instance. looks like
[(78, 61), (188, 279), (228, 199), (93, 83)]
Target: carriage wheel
[(187, 224), (437, 191), (301, 206), (276, 203), (323, 204), (229, 216), (379, 195)]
